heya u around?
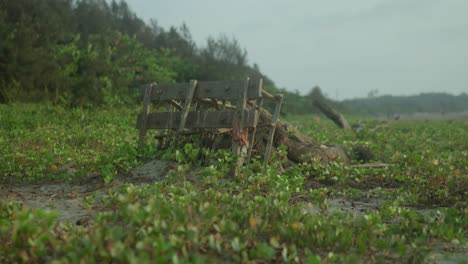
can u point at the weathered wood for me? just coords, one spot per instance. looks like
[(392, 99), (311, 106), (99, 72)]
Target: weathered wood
[(252, 137), (229, 90), (144, 114), (197, 119), (241, 104), (372, 165), (186, 107), (273, 129), (163, 133), (237, 118), (176, 104), (238, 129), (268, 95), (332, 114)]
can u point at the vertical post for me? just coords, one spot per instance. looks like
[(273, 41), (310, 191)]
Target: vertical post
[(237, 144), (239, 117), (271, 135), (188, 101), (145, 112), (254, 131), (164, 132)]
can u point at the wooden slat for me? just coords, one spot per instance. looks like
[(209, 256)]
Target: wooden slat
[(268, 95), (252, 138), (142, 120), (273, 128), (197, 119), (238, 130), (229, 90), (188, 101), (220, 89), (168, 91), (255, 89)]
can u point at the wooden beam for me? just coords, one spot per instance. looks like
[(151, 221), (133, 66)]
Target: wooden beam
[(238, 130), (268, 95), (176, 104), (198, 119), (273, 128), (143, 121), (188, 101), (332, 114), (229, 90), (252, 138)]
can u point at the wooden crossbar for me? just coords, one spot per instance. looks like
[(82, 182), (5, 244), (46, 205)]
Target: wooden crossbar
[(196, 119), (221, 90)]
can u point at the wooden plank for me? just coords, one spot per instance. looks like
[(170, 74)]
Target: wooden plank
[(170, 91), (198, 119), (252, 138), (176, 105), (255, 89), (238, 130), (273, 128), (143, 120), (227, 90), (188, 101), (268, 95)]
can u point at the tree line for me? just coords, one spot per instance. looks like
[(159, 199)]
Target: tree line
[(388, 105), (95, 52)]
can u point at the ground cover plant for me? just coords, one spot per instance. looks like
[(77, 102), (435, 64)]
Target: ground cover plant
[(412, 211)]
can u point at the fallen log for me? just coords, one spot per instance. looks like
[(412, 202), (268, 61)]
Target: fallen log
[(300, 148), (372, 165), (332, 114)]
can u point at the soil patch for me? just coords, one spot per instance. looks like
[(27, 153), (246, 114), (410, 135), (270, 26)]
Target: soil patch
[(67, 198)]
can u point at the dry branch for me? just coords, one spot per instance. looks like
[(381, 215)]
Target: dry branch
[(332, 114)]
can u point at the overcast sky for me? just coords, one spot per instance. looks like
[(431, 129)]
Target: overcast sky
[(348, 47)]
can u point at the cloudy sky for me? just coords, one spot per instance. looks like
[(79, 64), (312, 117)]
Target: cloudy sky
[(348, 47)]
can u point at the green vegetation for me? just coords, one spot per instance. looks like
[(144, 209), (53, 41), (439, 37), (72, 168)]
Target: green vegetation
[(93, 53), (198, 215), (84, 53), (70, 72)]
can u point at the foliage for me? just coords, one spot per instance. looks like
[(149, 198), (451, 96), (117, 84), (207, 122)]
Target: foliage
[(83, 53), (44, 142), (198, 215)]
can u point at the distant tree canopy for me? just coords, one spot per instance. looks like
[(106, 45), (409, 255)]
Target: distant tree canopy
[(99, 52), (423, 103), (95, 52)]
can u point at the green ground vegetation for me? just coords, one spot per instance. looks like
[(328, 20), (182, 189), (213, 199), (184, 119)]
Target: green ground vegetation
[(198, 215)]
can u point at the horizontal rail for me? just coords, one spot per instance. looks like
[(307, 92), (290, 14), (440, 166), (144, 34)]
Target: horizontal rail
[(197, 119)]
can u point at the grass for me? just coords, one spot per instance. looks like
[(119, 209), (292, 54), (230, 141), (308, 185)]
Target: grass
[(198, 215)]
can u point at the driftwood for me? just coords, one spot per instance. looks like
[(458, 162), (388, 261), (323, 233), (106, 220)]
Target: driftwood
[(332, 114), (300, 148), (372, 165)]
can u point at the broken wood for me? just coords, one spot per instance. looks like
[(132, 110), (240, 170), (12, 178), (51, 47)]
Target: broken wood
[(372, 165), (332, 114), (196, 119), (300, 148), (186, 107), (144, 114)]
